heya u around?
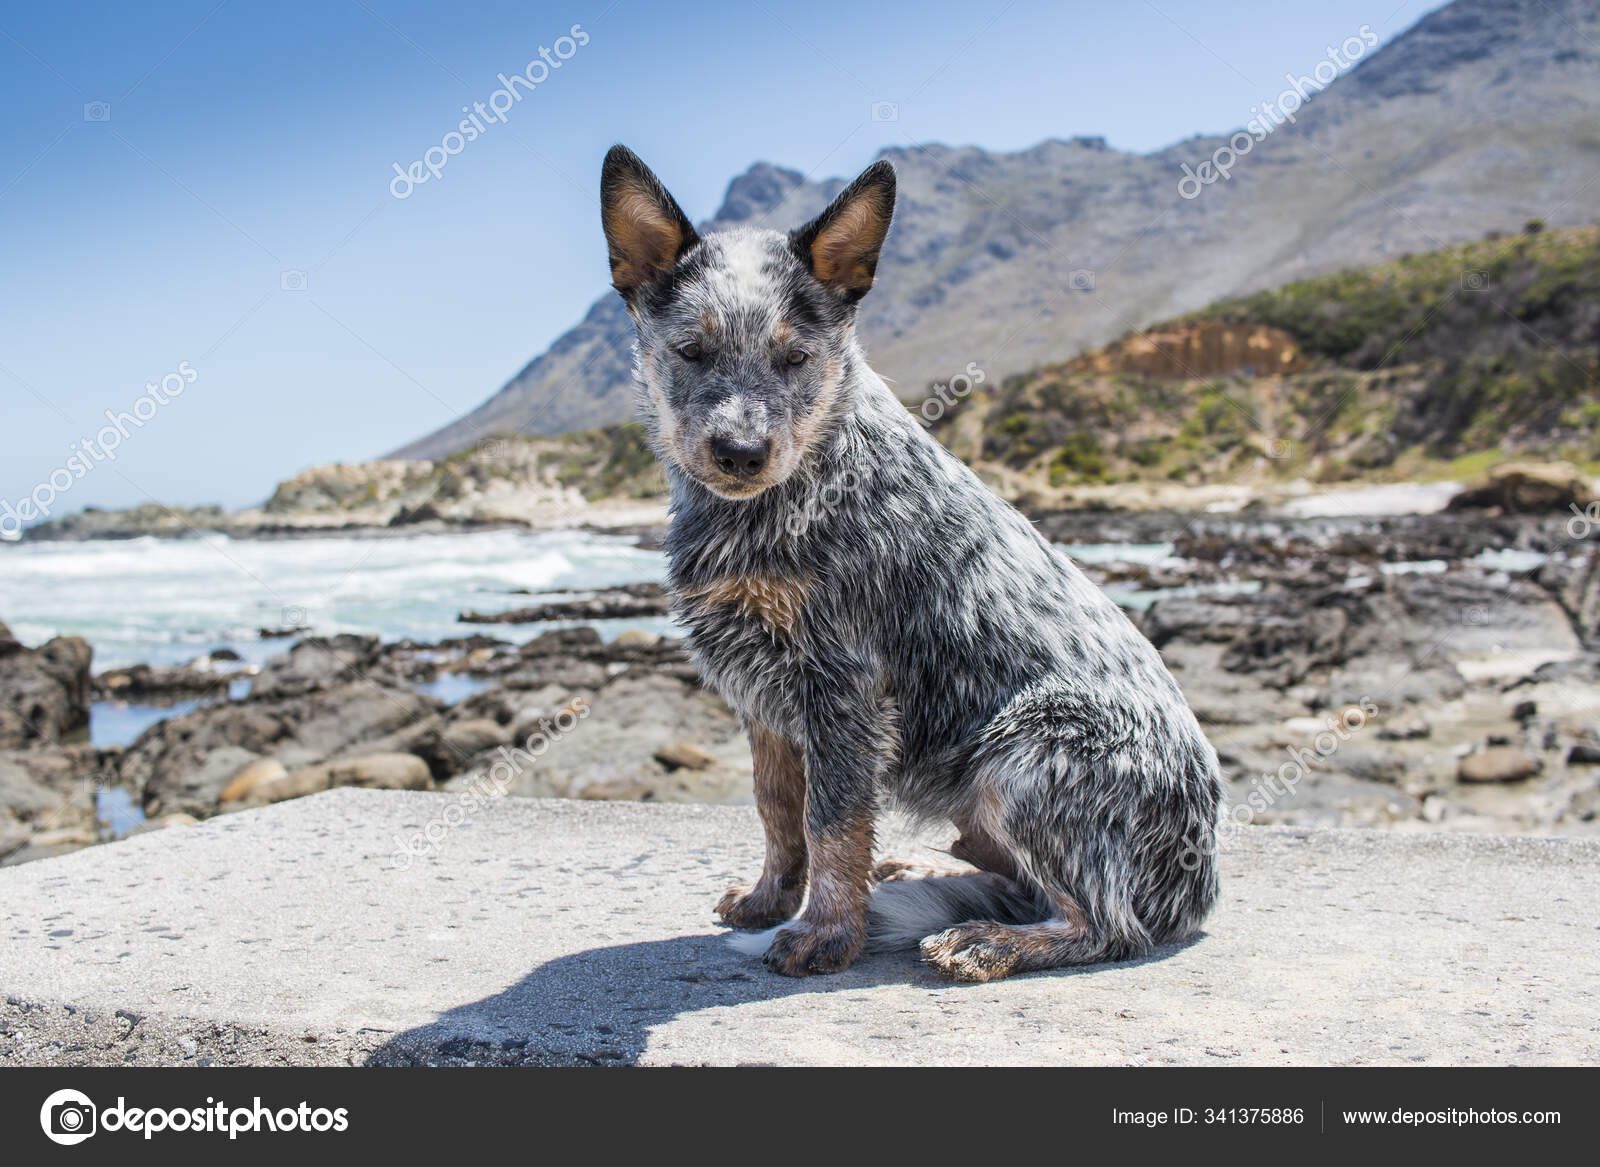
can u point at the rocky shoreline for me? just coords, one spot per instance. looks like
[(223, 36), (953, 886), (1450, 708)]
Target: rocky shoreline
[(1438, 671)]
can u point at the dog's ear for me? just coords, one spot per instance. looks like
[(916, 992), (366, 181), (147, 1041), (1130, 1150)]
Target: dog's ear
[(840, 246), (646, 231)]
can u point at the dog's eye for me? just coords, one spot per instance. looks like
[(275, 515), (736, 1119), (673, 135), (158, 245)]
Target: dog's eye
[(691, 351), (798, 356)]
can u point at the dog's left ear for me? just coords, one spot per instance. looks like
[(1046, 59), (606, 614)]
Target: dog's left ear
[(840, 246)]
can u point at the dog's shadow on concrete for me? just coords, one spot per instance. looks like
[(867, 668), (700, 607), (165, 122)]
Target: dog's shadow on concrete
[(600, 1006)]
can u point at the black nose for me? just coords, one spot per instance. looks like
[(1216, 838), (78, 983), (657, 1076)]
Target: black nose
[(744, 459)]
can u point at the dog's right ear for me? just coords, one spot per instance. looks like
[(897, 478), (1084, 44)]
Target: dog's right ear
[(646, 231)]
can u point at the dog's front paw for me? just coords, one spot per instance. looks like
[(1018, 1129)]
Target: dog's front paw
[(973, 952), (803, 948), (760, 907)]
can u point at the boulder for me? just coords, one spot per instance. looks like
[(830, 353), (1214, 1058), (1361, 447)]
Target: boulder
[(473, 735), (22, 794), (44, 692), (141, 682), (13, 835), (196, 790), (375, 771), (1521, 488), (1498, 764), (55, 782), (244, 783), (316, 723), (682, 755), (317, 663), (607, 745)]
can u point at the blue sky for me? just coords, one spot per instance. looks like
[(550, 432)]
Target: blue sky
[(240, 144)]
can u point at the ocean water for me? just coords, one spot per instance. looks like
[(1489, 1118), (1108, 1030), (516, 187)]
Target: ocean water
[(167, 601)]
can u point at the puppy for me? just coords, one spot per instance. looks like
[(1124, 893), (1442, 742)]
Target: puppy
[(890, 631)]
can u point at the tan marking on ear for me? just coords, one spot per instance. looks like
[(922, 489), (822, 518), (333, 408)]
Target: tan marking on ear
[(844, 253), (644, 239), (776, 601)]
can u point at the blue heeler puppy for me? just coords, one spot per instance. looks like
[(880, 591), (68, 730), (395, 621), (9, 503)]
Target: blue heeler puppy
[(891, 632)]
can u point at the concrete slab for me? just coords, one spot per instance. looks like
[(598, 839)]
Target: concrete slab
[(559, 932)]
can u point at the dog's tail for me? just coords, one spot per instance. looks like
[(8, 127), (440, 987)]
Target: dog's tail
[(903, 911)]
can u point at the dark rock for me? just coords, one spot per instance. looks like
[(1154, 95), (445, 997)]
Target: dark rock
[(22, 794), (44, 692), (1519, 488), (1575, 583), (317, 663), (305, 719), (423, 512), (625, 603), (1412, 730), (141, 682), (564, 642)]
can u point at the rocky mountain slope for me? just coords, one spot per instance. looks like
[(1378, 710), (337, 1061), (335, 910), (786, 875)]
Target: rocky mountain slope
[(1480, 117), (1433, 366)]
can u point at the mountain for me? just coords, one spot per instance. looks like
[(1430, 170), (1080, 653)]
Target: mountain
[(1483, 115)]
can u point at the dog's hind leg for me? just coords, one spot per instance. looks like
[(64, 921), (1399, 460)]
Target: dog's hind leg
[(780, 782), (983, 950), (980, 846), (1106, 812)]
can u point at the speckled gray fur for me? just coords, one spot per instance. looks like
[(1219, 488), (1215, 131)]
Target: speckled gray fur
[(945, 660)]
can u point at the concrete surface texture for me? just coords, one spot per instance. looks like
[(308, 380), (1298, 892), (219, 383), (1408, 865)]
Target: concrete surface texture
[(560, 932)]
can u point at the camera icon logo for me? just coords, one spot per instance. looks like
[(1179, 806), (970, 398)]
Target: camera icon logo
[(1082, 280), (296, 617), (1475, 281), (97, 111), (885, 111), (293, 280), (68, 1117)]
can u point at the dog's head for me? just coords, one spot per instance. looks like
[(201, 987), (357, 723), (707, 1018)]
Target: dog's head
[(743, 335)]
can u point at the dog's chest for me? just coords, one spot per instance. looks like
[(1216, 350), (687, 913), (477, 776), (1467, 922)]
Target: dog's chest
[(750, 630)]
